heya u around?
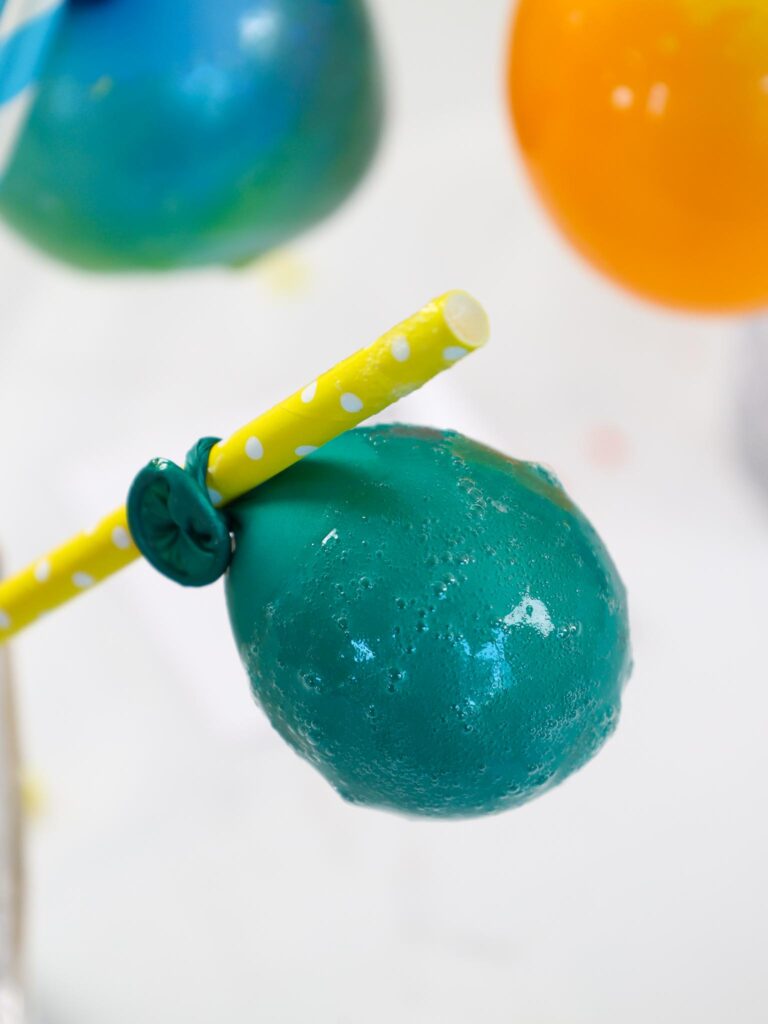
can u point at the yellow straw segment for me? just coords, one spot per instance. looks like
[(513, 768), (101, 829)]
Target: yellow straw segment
[(367, 382)]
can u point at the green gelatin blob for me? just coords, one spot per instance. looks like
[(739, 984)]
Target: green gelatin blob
[(169, 134), (434, 626)]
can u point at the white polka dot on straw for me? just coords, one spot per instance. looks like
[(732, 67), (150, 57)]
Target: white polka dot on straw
[(121, 538), (454, 353), (42, 571), (400, 349), (305, 449), (309, 392), (350, 402), (254, 449), (82, 580), (5, 620)]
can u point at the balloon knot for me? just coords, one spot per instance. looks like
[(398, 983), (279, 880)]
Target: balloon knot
[(174, 521)]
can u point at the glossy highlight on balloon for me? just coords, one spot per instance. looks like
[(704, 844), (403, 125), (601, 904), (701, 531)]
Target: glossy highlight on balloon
[(169, 135), (644, 125), (432, 625)]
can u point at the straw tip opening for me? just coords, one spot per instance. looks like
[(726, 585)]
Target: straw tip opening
[(466, 319)]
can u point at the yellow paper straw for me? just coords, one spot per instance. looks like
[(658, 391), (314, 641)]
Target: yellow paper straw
[(364, 384)]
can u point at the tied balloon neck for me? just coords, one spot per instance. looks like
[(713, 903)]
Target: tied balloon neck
[(174, 521)]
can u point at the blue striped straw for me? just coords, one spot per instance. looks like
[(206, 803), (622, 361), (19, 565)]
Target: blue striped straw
[(27, 29)]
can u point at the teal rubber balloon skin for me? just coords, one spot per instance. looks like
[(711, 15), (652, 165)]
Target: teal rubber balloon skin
[(434, 626), (170, 134)]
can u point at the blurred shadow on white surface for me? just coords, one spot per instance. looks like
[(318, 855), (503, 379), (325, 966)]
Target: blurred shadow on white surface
[(11, 896), (753, 419)]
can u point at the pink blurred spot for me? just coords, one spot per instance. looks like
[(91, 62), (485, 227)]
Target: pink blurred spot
[(608, 447)]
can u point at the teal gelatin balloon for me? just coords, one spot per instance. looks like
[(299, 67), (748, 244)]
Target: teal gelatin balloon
[(434, 626), (170, 134)]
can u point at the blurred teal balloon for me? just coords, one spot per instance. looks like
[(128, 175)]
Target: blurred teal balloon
[(170, 133), (434, 626)]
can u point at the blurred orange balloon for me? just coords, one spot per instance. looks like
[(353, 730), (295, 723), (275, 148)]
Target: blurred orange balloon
[(644, 124)]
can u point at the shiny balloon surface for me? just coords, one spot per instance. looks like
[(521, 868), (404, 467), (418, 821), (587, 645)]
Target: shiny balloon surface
[(644, 124), (434, 626), (169, 134)]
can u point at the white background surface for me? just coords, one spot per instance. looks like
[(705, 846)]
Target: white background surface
[(186, 866)]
